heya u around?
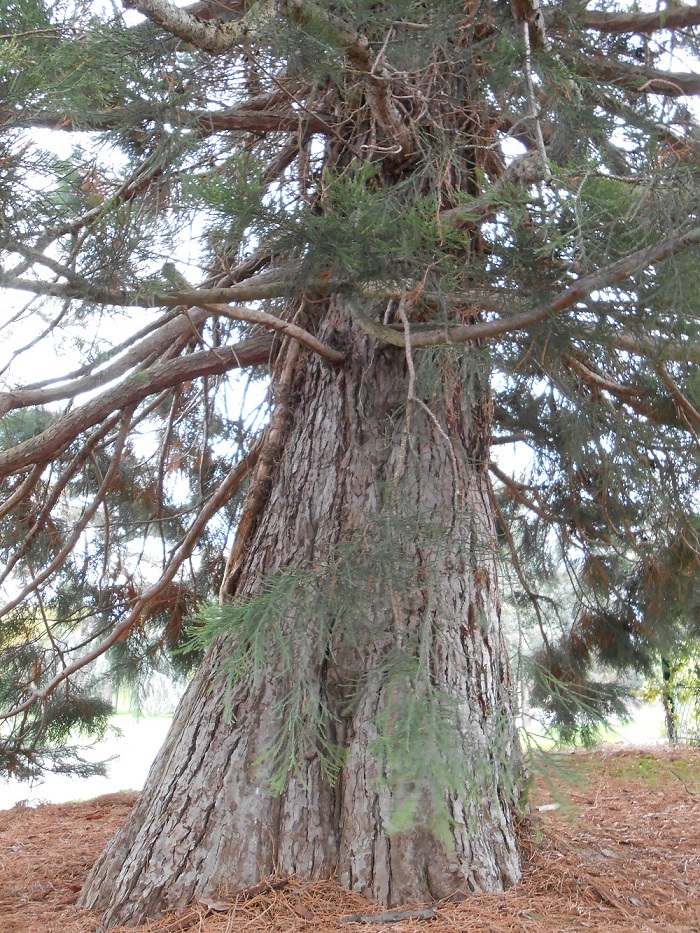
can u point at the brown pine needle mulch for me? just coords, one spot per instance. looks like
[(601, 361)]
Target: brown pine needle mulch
[(620, 852)]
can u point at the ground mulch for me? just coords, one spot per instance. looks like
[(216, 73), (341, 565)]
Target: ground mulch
[(616, 847)]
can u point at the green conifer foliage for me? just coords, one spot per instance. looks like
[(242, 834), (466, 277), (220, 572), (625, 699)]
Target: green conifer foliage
[(505, 194)]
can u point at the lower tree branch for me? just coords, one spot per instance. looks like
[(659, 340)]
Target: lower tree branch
[(216, 38), (56, 488), (52, 442), (580, 289), (672, 17), (228, 487), (79, 526)]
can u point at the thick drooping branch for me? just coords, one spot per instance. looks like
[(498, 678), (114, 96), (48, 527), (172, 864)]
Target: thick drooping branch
[(582, 288), (673, 17), (254, 316), (635, 78), (241, 119), (254, 352), (223, 494), (166, 336), (52, 442), (216, 38)]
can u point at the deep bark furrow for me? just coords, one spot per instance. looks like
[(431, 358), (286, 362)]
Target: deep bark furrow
[(206, 819)]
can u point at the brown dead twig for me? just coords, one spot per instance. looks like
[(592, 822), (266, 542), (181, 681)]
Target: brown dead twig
[(392, 916)]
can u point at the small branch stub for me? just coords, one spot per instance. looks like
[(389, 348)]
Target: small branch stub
[(391, 916)]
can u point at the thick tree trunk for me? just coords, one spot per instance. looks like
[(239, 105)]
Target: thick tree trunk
[(413, 522)]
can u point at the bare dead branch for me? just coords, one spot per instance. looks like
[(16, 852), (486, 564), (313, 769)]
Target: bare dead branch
[(266, 285), (168, 333), (516, 493), (391, 916), (137, 183), (259, 486)]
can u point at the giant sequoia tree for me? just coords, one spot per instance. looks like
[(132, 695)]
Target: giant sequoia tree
[(438, 227)]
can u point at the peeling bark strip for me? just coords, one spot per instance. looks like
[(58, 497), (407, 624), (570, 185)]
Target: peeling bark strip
[(259, 487), (206, 819)]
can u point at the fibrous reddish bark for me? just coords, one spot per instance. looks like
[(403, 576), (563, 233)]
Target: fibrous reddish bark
[(206, 818)]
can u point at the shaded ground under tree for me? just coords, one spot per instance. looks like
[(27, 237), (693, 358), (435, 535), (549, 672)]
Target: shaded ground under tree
[(622, 852)]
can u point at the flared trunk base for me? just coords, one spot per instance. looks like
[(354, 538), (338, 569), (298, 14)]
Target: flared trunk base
[(388, 663)]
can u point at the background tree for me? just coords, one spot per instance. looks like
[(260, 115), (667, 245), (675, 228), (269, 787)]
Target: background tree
[(440, 228)]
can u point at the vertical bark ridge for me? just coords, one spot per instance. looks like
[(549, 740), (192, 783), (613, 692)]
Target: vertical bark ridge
[(206, 820)]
